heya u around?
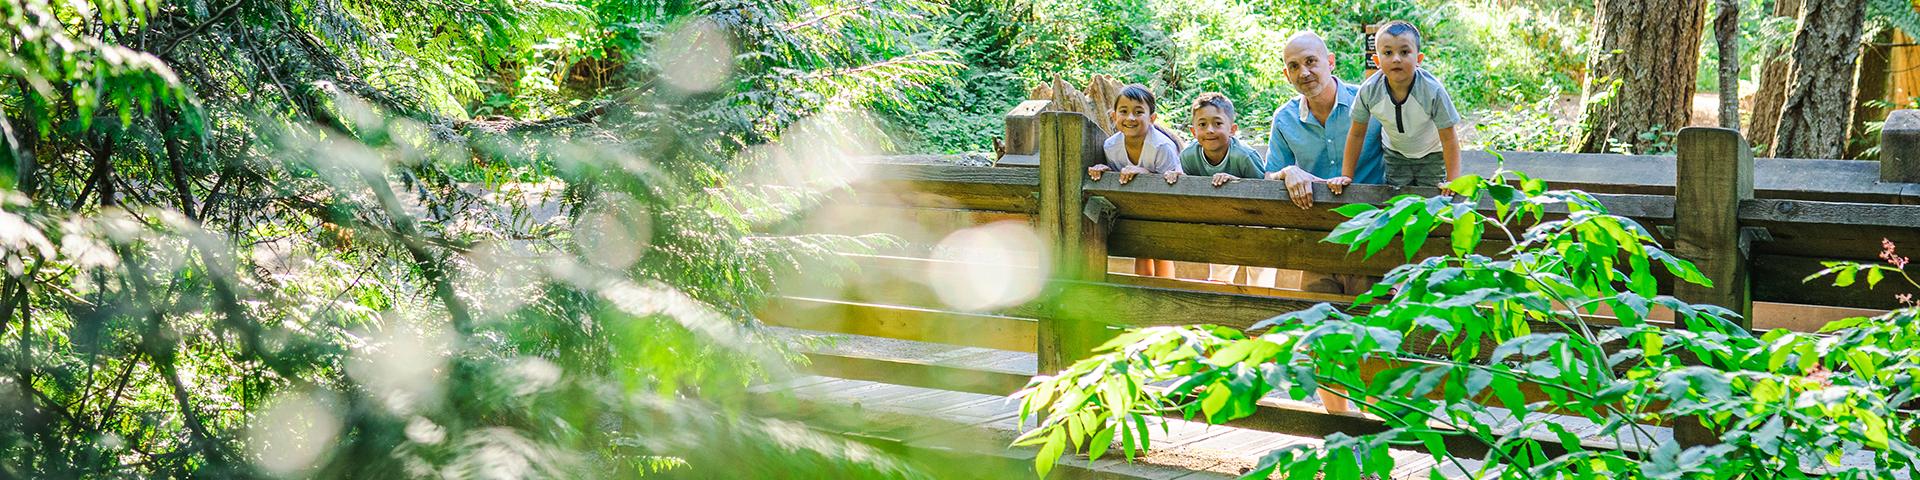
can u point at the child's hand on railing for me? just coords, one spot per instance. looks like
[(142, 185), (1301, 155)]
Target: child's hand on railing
[(1222, 178), (1172, 176), (1339, 184), (1127, 173), (1094, 172)]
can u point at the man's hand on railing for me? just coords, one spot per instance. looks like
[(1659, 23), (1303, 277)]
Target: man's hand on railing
[(1299, 184), (1094, 172)]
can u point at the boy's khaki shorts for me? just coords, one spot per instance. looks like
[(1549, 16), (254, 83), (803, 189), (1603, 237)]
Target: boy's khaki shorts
[(1427, 171)]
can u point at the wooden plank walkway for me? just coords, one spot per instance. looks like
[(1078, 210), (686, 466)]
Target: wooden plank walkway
[(972, 430), (978, 424)]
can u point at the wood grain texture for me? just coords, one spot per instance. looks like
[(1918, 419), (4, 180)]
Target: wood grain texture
[(1900, 147), (1715, 175), (901, 322), (917, 373), (1264, 247), (1069, 143)]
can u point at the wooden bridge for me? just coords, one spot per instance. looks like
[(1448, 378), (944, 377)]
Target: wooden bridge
[(918, 374)]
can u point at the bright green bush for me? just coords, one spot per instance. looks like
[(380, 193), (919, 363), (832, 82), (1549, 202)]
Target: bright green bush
[(1779, 402), (1491, 54)]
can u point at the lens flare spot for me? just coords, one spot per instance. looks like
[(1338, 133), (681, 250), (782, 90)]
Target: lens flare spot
[(294, 432), (988, 267)]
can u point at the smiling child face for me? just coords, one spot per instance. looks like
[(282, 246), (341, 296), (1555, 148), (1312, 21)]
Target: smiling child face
[(1398, 56), (1213, 129), (1131, 117)]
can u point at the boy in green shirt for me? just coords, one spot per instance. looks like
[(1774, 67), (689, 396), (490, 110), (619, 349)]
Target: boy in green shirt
[(1215, 151)]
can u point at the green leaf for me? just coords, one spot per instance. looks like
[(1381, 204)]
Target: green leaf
[(1216, 397), (1533, 186), (1101, 443), (1778, 357), (1465, 186), (1415, 234), (1352, 209), (1844, 277), (1074, 431), (1509, 394), (1050, 453), (1466, 233), (1382, 232), (1876, 429), (1641, 280), (1862, 362)]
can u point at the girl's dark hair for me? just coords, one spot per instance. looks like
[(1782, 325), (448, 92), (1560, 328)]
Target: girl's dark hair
[(1139, 93)]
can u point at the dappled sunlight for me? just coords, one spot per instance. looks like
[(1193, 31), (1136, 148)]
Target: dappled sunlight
[(819, 152), (502, 276), (293, 434), (403, 363), (502, 453), (696, 55), (614, 233), (993, 266)]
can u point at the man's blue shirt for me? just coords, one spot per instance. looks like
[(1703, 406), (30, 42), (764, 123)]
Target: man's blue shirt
[(1299, 139)]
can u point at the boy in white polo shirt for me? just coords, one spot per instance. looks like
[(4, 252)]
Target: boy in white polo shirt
[(1416, 116)]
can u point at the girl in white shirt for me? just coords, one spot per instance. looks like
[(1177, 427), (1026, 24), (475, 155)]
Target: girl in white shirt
[(1140, 146)]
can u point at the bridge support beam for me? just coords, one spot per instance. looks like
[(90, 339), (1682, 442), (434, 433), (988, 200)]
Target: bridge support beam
[(1074, 229), (1900, 147), (1713, 175)]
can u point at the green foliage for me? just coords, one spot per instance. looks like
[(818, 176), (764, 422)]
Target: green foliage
[(298, 252), (1489, 53), (1541, 126), (1782, 402)]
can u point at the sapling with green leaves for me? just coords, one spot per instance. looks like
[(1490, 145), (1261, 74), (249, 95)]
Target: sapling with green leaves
[(1544, 308)]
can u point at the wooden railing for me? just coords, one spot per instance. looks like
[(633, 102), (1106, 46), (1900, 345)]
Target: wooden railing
[(1757, 227)]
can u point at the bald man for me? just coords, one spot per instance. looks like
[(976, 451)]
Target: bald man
[(1309, 135), (1309, 141)]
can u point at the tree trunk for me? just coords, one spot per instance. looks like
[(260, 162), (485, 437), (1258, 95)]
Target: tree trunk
[(1875, 78), (1818, 108), (1641, 76), (1726, 33), (1773, 87)]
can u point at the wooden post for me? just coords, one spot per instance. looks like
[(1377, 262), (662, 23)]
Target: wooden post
[(1713, 174), (1022, 134), (1900, 147), (1074, 229)]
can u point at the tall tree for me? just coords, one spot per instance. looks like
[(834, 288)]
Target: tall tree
[(1773, 85), (1726, 33), (1641, 77), (1871, 84), (1819, 101)]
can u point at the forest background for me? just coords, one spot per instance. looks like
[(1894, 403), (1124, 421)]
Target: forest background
[(1515, 68), (525, 238)]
